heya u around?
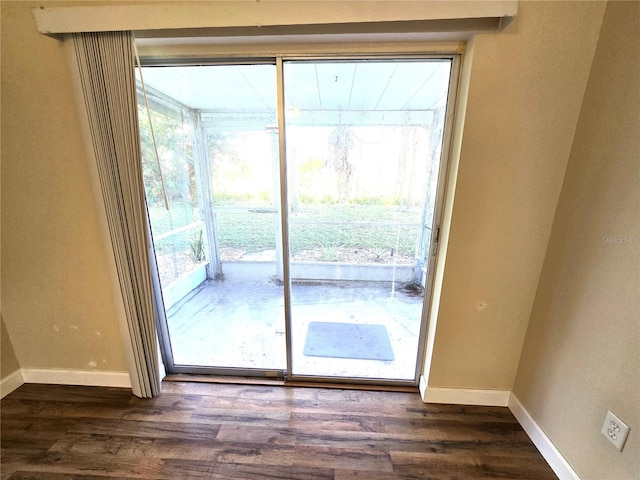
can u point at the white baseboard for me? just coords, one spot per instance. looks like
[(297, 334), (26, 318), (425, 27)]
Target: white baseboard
[(93, 378), (422, 386), (9, 383), (551, 454), (464, 396), (504, 398)]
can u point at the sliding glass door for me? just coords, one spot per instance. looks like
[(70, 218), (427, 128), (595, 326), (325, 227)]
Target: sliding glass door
[(294, 236), (218, 164), (363, 155)]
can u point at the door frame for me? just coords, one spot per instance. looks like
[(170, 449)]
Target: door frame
[(452, 54)]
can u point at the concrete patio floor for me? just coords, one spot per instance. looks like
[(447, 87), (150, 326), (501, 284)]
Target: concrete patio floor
[(241, 324)]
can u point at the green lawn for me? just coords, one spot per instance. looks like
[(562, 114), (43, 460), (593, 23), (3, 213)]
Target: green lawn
[(311, 227)]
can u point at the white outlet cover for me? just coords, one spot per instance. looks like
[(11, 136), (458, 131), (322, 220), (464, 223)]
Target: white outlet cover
[(615, 430)]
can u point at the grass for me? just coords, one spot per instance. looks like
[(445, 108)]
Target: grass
[(313, 226), (177, 216)]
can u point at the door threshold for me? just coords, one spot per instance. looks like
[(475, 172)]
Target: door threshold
[(228, 379), (268, 382)]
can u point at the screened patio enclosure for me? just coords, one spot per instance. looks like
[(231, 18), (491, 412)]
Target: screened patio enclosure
[(338, 193)]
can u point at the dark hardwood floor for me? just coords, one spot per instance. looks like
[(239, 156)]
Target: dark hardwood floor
[(222, 431)]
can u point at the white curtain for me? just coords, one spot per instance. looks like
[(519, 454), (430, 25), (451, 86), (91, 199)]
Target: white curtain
[(106, 70)]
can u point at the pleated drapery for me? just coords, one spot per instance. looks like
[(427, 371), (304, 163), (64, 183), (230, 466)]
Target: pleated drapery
[(106, 70)]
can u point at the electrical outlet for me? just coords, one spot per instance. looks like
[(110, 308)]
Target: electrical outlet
[(615, 430)]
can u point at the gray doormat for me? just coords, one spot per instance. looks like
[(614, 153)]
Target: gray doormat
[(348, 340)]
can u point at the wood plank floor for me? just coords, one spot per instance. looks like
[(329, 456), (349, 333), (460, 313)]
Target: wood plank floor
[(222, 431)]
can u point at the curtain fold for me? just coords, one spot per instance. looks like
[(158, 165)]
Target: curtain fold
[(107, 75)]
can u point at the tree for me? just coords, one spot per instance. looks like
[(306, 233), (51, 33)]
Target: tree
[(175, 152), (340, 144)]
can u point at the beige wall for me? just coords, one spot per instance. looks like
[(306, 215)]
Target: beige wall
[(524, 98), (56, 297), (582, 353)]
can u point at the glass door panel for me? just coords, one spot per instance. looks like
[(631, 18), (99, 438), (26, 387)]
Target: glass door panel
[(363, 155), (218, 164)]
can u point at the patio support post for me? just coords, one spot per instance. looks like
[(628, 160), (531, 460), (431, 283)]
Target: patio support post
[(275, 157), (202, 169), (425, 240)]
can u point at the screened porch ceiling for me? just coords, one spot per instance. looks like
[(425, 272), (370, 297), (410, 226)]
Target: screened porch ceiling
[(338, 86)]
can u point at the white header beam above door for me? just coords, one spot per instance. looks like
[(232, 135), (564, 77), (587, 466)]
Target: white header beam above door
[(169, 19)]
